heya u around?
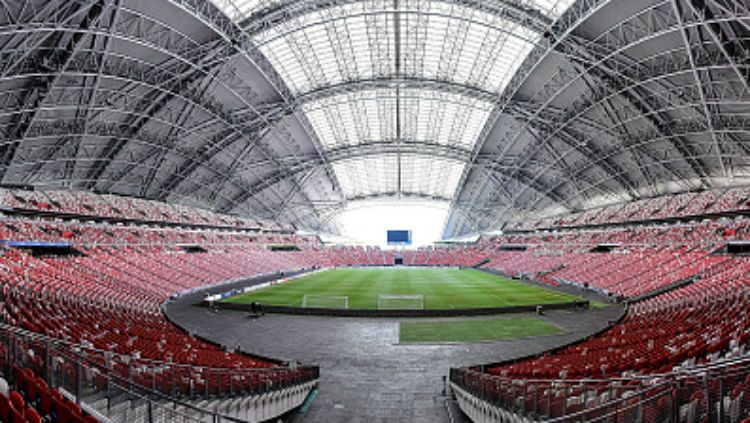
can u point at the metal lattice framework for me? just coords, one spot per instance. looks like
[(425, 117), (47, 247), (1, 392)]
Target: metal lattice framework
[(622, 100), (288, 110), (162, 100), (398, 92)]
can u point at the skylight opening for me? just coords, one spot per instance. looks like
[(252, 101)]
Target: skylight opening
[(367, 221), (421, 175)]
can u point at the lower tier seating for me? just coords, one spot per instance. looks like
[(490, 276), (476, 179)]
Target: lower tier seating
[(654, 359), (109, 302), (35, 402)]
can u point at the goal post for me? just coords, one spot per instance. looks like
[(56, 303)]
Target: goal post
[(325, 301), (400, 302)]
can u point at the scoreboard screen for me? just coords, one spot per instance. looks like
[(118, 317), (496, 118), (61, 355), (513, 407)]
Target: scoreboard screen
[(399, 237)]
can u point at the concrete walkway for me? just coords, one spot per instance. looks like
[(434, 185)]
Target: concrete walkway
[(366, 376)]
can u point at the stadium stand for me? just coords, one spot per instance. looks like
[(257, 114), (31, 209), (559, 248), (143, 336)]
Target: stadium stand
[(99, 300), (104, 296), (709, 203), (85, 204), (35, 401), (660, 354), (101, 293), (144, 266), (151, 149)]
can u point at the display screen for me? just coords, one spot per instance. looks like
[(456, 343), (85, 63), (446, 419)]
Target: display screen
[(400, 237)]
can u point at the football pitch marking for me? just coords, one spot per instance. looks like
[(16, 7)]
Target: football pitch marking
[(441, 288)]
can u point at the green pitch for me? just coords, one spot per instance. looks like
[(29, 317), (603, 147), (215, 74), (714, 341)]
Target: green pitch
[(474, 330), (442, 288)]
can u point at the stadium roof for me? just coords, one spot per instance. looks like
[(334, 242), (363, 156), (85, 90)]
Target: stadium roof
[(291, 110)]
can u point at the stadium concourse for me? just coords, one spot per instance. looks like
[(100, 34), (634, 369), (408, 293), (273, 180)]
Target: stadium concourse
[(189, 191)]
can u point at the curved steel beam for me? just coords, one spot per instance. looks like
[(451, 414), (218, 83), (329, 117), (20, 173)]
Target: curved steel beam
[(76, 129), (170, 42), (403, 83), (349, 152), (668, 27), (160, 101), (162, 82), (403, 146), (575, 140), (165, 86), (398, 195), (69, 47), (730, 126), (708, 115), (250, 129), (288, 10), (565, 25), (208, 13), (710, 154), (627, 89), (614, 47)]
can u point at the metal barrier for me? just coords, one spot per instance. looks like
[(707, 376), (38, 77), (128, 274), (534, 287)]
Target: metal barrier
[(160, 388), (713, 393)]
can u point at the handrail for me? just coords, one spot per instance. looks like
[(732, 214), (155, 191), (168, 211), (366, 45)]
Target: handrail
[(144, 393), (129, 358), (533, 397), (681, 372), (581, 415), (666, 387), (78, 368), (114, 383)]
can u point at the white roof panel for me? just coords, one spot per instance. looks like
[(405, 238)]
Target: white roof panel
[(438, 40), (431, 41), (370, 116), (378, 175)]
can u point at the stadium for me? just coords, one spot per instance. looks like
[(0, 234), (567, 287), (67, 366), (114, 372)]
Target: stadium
[(423, 211)]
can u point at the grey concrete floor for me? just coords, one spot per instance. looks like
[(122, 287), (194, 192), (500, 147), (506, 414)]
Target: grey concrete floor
[(366, 375)]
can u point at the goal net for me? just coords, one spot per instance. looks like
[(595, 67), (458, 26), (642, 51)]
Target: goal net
[(325, 301), (400, 302)]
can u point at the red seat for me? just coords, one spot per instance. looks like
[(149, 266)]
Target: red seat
[(74, 408), (32, 416), (61, 410), (45, 399), (32, 390), (17, 401), (5, 408), (16, 416), (20, 377)]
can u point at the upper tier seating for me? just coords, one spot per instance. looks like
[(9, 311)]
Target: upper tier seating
[(113, 206), (667, 206)]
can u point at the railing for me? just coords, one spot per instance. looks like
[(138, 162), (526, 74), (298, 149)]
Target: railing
[(715, 393), (94, 375)]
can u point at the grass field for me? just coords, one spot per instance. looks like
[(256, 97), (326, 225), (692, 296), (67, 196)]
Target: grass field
[(442, 288), (474, 330)]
